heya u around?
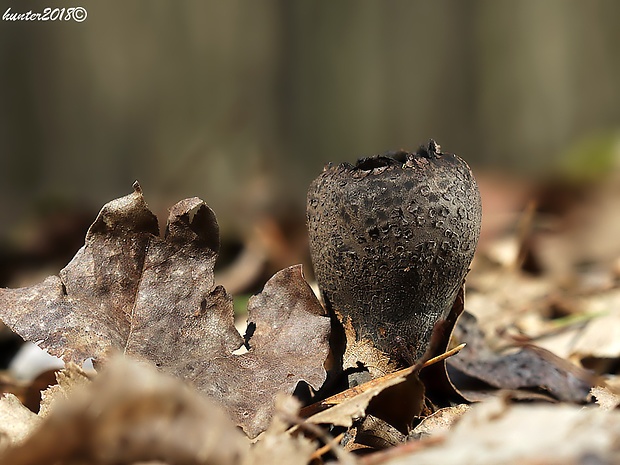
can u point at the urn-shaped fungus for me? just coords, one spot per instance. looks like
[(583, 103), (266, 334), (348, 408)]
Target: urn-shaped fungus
[(391, 240)]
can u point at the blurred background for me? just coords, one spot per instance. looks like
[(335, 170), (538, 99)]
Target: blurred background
[(242, 103)]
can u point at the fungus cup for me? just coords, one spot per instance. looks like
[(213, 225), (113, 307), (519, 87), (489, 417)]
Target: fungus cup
[(391, 239)]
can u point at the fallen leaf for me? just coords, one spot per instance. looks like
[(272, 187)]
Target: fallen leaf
[(530, 367), (440, 422), (605, 398), (288, 344), (599, 336), (131, 413), (345, 407), (68, 379), (155, 299), (493, 432), (372, 433), (16, 421), (277, 446), (589, 331)]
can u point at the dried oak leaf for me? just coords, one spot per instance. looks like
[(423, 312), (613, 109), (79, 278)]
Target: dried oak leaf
[(131, 413), (155, 299), (529, 368)]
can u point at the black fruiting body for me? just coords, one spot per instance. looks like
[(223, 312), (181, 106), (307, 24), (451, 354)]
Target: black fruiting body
[(391, 240)]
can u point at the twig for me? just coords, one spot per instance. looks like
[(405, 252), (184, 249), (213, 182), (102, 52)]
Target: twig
[(444, 356), (327, 447)]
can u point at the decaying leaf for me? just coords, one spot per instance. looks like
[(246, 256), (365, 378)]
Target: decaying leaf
[(530, 367), (276, 446), (132, 413), (372, 433), (493, 432), (599, 337), (155, 299), (288, 344), (440, 422), (16, 421), (605, 398), (402, 388), (354, 407), (27, 391), (68, 379)]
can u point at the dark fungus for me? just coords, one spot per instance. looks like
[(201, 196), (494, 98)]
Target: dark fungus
[(391, 239)]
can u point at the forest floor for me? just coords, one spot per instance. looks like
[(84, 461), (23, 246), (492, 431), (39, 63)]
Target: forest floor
[(536, 383)]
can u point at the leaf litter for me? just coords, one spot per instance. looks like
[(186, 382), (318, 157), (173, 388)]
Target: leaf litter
[(444, 429), (130, 413)]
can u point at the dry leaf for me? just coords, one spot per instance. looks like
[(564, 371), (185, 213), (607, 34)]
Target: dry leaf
[(69, 378), (155, 298), (288, 344), (374, 434), (530, 367), (277, 446), (351, 409), (600, 336), (591, 331), (343, 408), (16, 421), (440, 422), (605, 398), (492, 432), (132, 413)]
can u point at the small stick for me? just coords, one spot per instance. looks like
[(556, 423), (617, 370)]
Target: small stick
[(327, 447), (444, 356)]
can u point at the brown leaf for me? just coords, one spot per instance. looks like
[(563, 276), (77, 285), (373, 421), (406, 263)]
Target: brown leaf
[(132, 413), (440, 422), (373, 433), (278, 445), (289, 344), (351, 408), (530, 367), (605, 398), (155, 298), (68, 379), (377, 396)]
